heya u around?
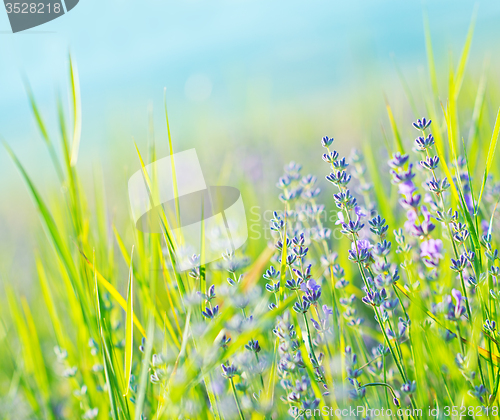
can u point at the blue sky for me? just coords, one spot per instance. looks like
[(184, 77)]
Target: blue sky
[(128, 51), (227, 66)]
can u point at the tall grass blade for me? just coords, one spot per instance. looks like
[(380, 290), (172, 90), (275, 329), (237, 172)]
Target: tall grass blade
[(489, 159), (129, 327), (76, 108), (395, 131), (459, 75)]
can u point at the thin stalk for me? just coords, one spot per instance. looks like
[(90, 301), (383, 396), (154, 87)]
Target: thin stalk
[(242, 417)]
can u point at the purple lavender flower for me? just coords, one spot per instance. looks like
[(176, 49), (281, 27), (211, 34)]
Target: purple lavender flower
[(362, 244), (310, 286), (454, 311), (398, 160), (401, 330), (352, 228), (375, 298), (459, 264), (229, 371), (490, 326), (478, 392), (362, 253), (422, 124), (410, 201), (253, 345), (224, 342), (423, 143), (327, 310), (320, 326), (211, 313), (330, 157), (430, 163), (301, 307), (312, 291), (326, 141), (430, 251), (378, 226), (359, 212), (407, 188), (357, 393), (409, 387)]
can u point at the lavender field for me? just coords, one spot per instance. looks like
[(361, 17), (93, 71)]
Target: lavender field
[(367, 286)]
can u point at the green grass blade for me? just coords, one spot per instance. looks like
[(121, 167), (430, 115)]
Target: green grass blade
[(395, 131), (171, 150), (43, 131), (491, 154), (113, 292), (478, 107), (76, 108), (51, 229), (459, 75), (49, 302), (144, 378), (129, 327)]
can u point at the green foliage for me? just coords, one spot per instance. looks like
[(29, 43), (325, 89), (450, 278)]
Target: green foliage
[(154, 354)]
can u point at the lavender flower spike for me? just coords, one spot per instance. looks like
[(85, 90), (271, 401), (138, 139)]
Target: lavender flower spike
[(422, 124), (430, 251)]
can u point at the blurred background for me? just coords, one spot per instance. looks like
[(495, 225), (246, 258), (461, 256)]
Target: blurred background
[(250, 84)]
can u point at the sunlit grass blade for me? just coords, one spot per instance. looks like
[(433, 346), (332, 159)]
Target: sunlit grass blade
[(171, 150), (144, 375), (395, 131), (32, 352), (477, 112), (43, 131), (254, 273), (489, 159), (76, 108), (49, 302), (459, 75), (129, 327), (113, 292)]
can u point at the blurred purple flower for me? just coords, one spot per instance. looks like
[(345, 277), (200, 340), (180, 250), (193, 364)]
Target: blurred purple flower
[(359, 212), (407, 188), (310, 285), (430, 251)]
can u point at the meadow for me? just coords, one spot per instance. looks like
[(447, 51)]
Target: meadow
[(381, 302)]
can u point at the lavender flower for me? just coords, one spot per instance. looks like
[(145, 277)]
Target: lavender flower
[(375, 298), (479, 391), (229, 371), (422, 124), (326, 141), (454, 311), (430, 251), (398, 160), (409, 387), (211, 313), (423, 143), (253, 345)]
